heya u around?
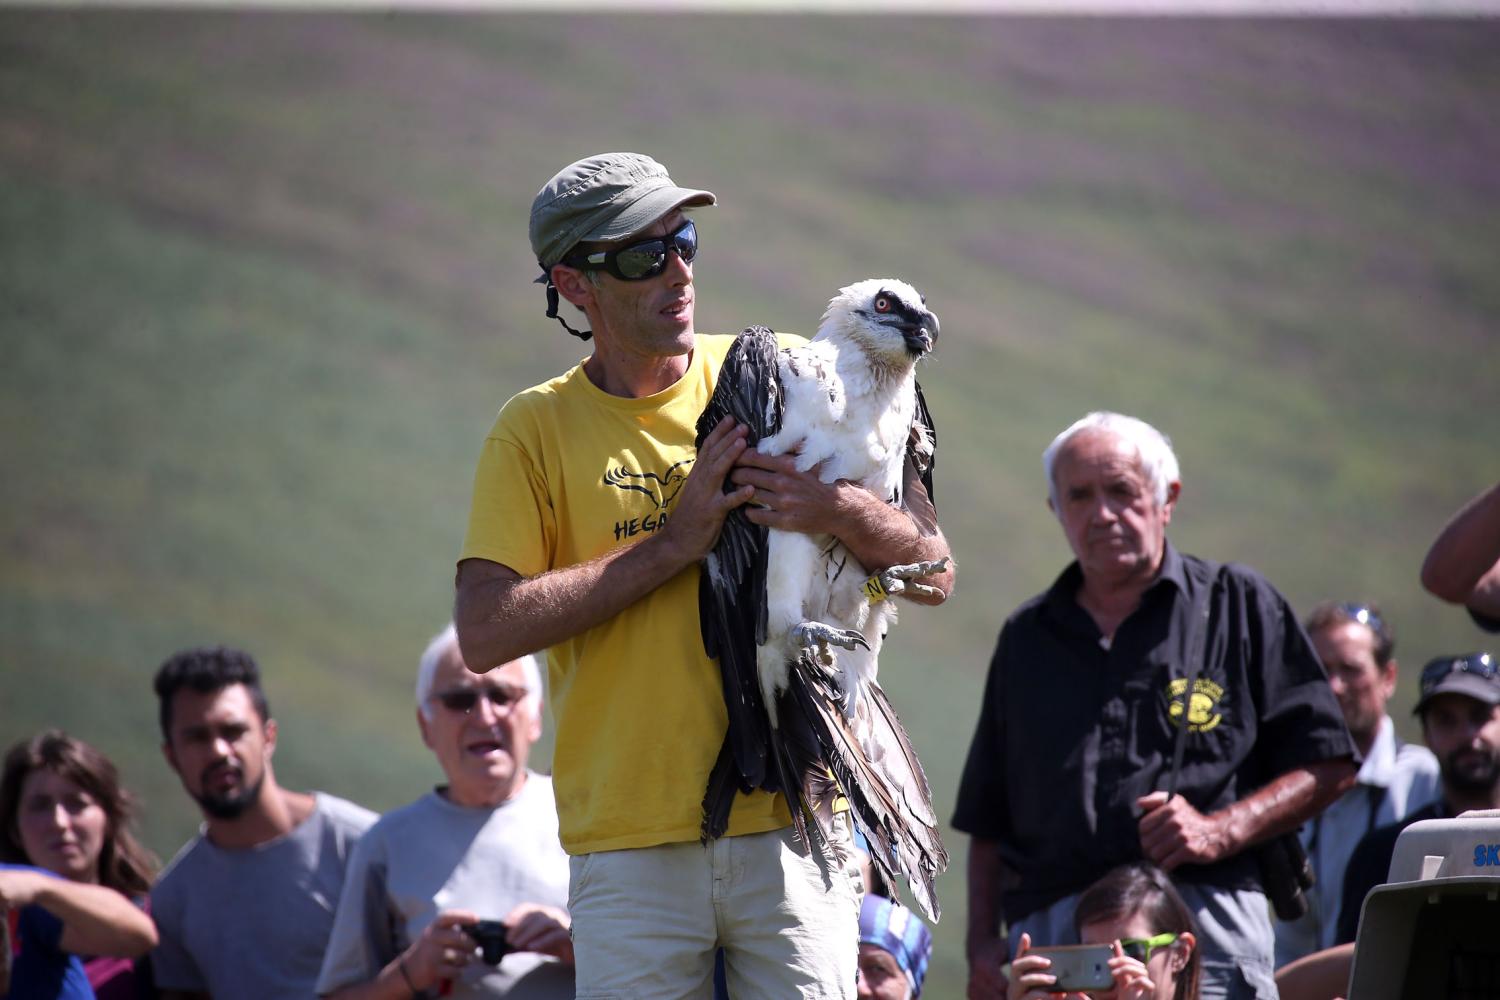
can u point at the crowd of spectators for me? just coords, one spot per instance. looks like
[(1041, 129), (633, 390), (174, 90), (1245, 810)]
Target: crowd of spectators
[(294, 894), (1158, 732)]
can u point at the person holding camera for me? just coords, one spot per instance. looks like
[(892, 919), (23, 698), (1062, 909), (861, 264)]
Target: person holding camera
[(1139, 916), (1149, 705), (463, 893)]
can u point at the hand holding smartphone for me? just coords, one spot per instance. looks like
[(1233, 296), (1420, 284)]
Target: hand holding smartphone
[(1079, 968)]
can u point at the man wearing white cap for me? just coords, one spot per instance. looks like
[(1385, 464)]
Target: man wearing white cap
[(591, 511)]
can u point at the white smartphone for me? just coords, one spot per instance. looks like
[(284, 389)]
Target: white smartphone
[(1079, 967)]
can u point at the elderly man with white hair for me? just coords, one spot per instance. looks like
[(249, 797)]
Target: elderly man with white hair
[(1076, 766), (482, 847)]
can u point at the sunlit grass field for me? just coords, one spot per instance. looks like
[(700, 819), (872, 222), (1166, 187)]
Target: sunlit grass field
[(264, 282)]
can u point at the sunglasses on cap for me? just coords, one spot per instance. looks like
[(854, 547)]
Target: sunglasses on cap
[(466, 699), (641, 260), (1140, 949), (1478, 664)]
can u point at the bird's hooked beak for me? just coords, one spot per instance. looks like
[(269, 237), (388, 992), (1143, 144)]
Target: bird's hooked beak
[(921, 333)]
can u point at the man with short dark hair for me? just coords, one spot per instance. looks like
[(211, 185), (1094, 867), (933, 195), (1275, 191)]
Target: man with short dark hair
[(1073, 766), (245, 908), (1357, 648), (1460, 710), (592, 511), (481, 846)]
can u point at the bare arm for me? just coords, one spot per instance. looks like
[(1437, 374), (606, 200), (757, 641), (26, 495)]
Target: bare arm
[(879, 534), (985, 948), (1174, 833), (439, 954), (501, 615), (96, 920), (1463, 565)]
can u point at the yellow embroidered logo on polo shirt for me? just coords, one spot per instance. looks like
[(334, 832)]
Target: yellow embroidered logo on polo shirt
[(1202, 711)]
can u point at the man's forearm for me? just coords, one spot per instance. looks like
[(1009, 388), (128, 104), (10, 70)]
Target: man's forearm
[(501, 615), (985, 872), (1463, 565), (389, 984), (1285, 804), (880, 535), (96, 920)]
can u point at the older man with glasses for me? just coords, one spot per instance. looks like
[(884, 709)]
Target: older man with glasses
[(482, 847), (592, 510), (1460, 710), (1357, 648)]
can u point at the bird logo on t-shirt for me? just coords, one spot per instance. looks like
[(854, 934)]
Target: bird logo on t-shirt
[(662, 489)]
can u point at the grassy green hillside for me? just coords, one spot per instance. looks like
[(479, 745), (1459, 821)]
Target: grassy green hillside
[(264, 283)]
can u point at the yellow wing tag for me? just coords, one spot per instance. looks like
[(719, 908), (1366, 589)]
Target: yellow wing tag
[(874, 591)]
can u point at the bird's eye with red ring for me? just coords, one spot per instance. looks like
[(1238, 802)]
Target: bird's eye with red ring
[(882, 304)]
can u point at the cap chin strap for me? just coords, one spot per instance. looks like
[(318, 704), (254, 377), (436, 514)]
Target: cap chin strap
[(552, 302)]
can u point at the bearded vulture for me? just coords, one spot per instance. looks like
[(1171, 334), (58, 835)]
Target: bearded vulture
[(794, 621)]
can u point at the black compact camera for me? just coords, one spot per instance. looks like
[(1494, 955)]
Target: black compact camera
[(1286, 875), (489, 935)]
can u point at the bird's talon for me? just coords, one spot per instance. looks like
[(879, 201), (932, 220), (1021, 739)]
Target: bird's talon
[(895, 578), (816, 638)]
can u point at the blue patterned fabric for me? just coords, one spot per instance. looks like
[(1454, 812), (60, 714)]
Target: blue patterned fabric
[(891, 926)]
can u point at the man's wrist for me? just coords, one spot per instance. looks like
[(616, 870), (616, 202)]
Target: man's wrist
[(406, 976), (1231, 835)]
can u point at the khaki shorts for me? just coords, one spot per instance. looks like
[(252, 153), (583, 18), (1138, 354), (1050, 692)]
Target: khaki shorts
[(646, 922)]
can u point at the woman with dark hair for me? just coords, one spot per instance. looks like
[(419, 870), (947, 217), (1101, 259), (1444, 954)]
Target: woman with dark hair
[(1135, 910), (62, 810)]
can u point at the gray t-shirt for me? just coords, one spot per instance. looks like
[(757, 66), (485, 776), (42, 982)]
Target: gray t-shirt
[(433, 855), (252, 923)]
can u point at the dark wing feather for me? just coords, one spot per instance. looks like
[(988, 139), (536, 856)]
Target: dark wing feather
[(923, 457), (731, 589), (876, 769)]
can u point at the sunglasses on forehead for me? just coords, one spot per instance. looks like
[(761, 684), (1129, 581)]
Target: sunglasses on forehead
[(1365, 615), (1140, 949), (466, 699), (641, 260), (1479, 664)]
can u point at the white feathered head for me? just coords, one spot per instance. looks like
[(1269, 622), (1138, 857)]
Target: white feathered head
[(886, 318)]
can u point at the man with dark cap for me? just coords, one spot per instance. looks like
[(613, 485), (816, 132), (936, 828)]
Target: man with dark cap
[(591, 511), (1460, 710)]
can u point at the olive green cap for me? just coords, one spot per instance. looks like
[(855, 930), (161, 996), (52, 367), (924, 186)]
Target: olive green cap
[(604, 198)]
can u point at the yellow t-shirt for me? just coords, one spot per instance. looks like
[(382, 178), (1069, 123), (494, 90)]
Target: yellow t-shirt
[(567, 474)]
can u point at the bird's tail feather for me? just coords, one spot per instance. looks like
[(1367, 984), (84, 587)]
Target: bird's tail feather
[(809, 788), (877, 771)]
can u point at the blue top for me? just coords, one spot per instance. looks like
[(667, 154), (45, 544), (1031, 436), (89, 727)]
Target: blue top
[(40, 969)]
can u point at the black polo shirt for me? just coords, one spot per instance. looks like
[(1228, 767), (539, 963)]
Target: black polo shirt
[(1071, 733)]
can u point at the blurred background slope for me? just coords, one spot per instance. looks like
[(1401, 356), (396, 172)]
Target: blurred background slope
[(264, 282)]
